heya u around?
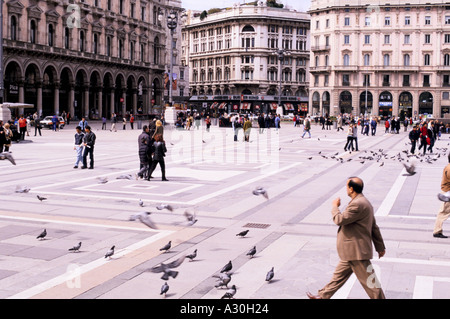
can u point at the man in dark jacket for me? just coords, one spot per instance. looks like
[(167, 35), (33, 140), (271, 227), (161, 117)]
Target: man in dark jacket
[(144, 147), (261, 123), (414, 136), (88, 142)]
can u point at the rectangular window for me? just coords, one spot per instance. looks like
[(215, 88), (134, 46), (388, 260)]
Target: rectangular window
[(346, 39), (427, 38), (406, 80), (345, 79), (386, 80), (407, 39), (427, 20), (387, 39), (445, 95), (346, 21), (447, 19), (426, 80), (407, 20), (367, 39), (447, 38), (446, 79), (367, 21), (387, 20)]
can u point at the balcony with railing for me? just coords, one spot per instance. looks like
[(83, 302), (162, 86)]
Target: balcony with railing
[(318, 48)]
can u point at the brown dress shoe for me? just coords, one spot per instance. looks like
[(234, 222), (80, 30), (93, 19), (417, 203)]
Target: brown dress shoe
[(311, 296)]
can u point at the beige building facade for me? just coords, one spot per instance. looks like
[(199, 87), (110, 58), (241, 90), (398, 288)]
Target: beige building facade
[(233, 61), (90, 58), (387, 59)]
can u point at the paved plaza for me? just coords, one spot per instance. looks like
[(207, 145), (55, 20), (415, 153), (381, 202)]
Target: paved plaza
[(213, 176)]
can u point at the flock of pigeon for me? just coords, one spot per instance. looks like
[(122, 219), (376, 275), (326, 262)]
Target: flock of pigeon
[(223, 277)]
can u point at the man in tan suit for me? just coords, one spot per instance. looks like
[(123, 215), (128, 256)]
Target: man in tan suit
[(357, 231)]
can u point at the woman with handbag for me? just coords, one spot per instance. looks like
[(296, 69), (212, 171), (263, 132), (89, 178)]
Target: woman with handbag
[(8, 135), (159, 152)]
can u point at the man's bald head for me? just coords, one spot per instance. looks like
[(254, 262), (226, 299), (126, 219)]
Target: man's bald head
[(356, 183)]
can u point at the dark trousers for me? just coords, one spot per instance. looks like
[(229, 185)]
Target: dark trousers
[(103, 126), (88, 151), (423, 143), (37, 128), (349, 143), (374, 130), (161, 164), (22, 131), (413, 146), (356, 143)]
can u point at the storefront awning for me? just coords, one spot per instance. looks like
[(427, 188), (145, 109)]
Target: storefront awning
[(222, 105), (245, 106), (273, 106), (288, 106), (214, 105)]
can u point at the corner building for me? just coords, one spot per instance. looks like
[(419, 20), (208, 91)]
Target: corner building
[(233, 63), (386, 59)]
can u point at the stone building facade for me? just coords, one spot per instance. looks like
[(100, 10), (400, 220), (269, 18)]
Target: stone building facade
[(373, 57), (88, 57)]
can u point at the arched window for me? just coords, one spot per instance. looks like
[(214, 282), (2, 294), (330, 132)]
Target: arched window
[(132, 51), (81, 41), (248, 28), (120, 48), (108, 46), (33, 31), (50, 35), (66, 38), (95, 44), (406, 60), (366, 59), (386, 60), (13, 28), (447, 59), (316, 61), (346, 59)]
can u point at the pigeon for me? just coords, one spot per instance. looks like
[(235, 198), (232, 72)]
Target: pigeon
[(224, 279), (42, 235), (192, 256), (242, 233), (22, 189), (252, 252), (166, 268), (41, 198), (7, 156), (261, 191), (190, 218), (270, 275), (444, 197), (227, 267), (310, 158), (411, 170), (164, 206), (167, 246), (230, 293), (102, 180), (144, 218), (76, 248), (141, 203), (125, 176), (164, 289), (382, 163), (110, 252)]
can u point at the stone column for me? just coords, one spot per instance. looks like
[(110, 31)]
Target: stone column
[(72, 99), (100, 102), (134, 101), (56, 109), (86, 102), (39, 99), (111, 109), (124, 103)]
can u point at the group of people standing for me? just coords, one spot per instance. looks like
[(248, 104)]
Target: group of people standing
[(426, 134), (84, 146), (152, 150)]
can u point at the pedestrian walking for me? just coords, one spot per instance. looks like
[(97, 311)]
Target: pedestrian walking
[(247, 128), (83, 123), (22, 127), (355, 137), (159, 129), (2, 137), (424, 138), (339, 123), (208, 123), (307, 127), (373, 126), (349, 143), (357, 230), (124, 123), (261, 123), (113, 122), (37, 126), (103, 123), (159, 151), (277, 122), (78, 146), (88, 143), (132, 121), (414, 136), (8, 135), (444, 210), (144, 151), (386, 126)]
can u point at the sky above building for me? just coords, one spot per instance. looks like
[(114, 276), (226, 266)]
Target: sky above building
[(300, 5)]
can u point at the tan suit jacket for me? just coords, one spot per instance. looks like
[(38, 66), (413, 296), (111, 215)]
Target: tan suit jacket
[(357, 230)]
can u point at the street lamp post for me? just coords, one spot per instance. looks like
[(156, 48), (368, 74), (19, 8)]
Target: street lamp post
[(281, 53), (172, 22)]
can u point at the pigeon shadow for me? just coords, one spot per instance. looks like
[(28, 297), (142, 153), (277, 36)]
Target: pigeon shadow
[(273, 281), (169, 295)]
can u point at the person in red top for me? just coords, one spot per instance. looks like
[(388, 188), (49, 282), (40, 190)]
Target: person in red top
[(423, 137), (22, 127), (132, 121)]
